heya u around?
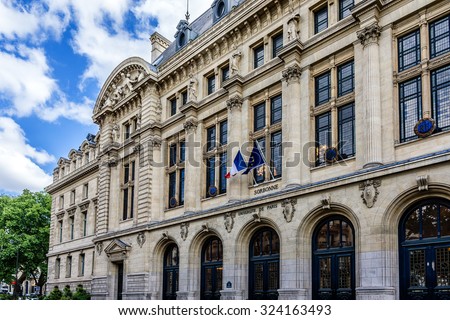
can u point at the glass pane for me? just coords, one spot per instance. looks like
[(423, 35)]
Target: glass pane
[(335, 234), (273, 276), (208, 253), (219, 278), (266, 242), (445, 221), (259, 277), (345, 272), (325, 273), (417, 268), (170, 280), (220, 254), (208, 279), (322, 242), (412, 226), (174, 256), (429, 221), (347, 235), (275, 244), (443, 266), (257, 246)]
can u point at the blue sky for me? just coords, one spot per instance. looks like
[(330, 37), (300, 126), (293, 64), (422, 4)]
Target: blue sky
[(54, 57)]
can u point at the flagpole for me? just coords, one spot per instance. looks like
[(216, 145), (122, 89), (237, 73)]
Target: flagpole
[(264, 158)]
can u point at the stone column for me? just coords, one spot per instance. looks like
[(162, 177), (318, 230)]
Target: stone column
[(235, 141), (426, 78), (371, 91), (193, 173), (291, 133)]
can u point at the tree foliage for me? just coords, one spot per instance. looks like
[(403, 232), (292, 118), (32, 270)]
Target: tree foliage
[(24, 236)]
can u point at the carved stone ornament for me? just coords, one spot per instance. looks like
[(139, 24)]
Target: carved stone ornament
[(422, 183), (229, 221), (192, 88), (326, 202), (292, 73), (234, 62), (235, 103), (205, 228), (369, 34), (165, 235), (256, 217), (190, 125), (288, 206), (141, 239), (99, 248), (84, 206), (184, 230), (292, 28), (136, 148), (369, 192), (115, 133), (156, 143), (112, 161)]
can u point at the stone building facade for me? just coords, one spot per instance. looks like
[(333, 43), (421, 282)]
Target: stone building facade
[(348, 101)]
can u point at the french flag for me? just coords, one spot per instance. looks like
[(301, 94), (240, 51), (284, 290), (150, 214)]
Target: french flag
[(239, 165)]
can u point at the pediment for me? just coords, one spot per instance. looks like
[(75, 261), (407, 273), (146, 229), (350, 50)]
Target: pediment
[(117, 247), (121, 83)]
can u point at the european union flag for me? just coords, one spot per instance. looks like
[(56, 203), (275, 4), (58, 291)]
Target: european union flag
[(256, 160)]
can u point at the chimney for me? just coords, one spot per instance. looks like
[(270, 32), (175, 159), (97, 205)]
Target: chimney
[(159, 44)]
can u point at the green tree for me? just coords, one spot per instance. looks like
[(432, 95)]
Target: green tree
[(55, 294), (67, 294), (24, 237), (81, 294)]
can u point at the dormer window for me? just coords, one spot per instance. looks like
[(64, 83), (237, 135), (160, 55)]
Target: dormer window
[(184, 34), (182, 39), (220, 9)]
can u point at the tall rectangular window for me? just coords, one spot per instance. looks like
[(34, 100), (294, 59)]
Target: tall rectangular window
[(346, 78), (172, 154), (259, 116), (57, 268), (69, 267), (321, 19), (81, 261), (346, 131), (181, 186), (440, 37), (259, 174), (323, 136), (72, 197), (72, 227), (322, 88), (184, 97), (276, 154), (210, 174), (223, 133), (211, 84), (173, 106), (127, 131), (277, 44), (129, 175), (410, 100), (225, 73), (258, 56), (182, 151), (84, 227), (440, 97), (222, 173), (210, 138), (275, 109), (409, 50), (85, 190), (61, 202), (61, 225), (345, 7), (172, 185)]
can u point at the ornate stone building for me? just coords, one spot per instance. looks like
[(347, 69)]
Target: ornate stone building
[(348, 101)]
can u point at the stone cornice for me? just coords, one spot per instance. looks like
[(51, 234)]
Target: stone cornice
[(69, 179)]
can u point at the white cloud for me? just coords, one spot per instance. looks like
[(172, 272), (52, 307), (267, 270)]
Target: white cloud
[(18, 160)]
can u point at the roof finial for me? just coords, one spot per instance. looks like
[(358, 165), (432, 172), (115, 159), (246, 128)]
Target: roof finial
[(187, 11)]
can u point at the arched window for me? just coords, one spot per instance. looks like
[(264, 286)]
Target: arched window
[(334, 259), (264, 273), (212, 267), (424, 243), (171, 268)]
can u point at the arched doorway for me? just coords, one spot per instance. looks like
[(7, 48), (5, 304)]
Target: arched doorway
[(170, 275), (333, 269), (212, 266), (264, 273), (424, 242)]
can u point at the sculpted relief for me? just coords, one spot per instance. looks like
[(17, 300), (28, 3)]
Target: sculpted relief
[(122, 86)]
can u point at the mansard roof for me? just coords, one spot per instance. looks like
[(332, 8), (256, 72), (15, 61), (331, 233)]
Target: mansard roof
[(199, 26)]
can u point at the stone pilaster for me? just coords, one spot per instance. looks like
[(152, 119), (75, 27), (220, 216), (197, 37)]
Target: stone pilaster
[(193, 164), (292, 163), (369, 37), (235, 142), (104, 192)]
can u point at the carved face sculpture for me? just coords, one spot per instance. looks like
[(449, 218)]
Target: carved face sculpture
[(369, 195), (287, 211)]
